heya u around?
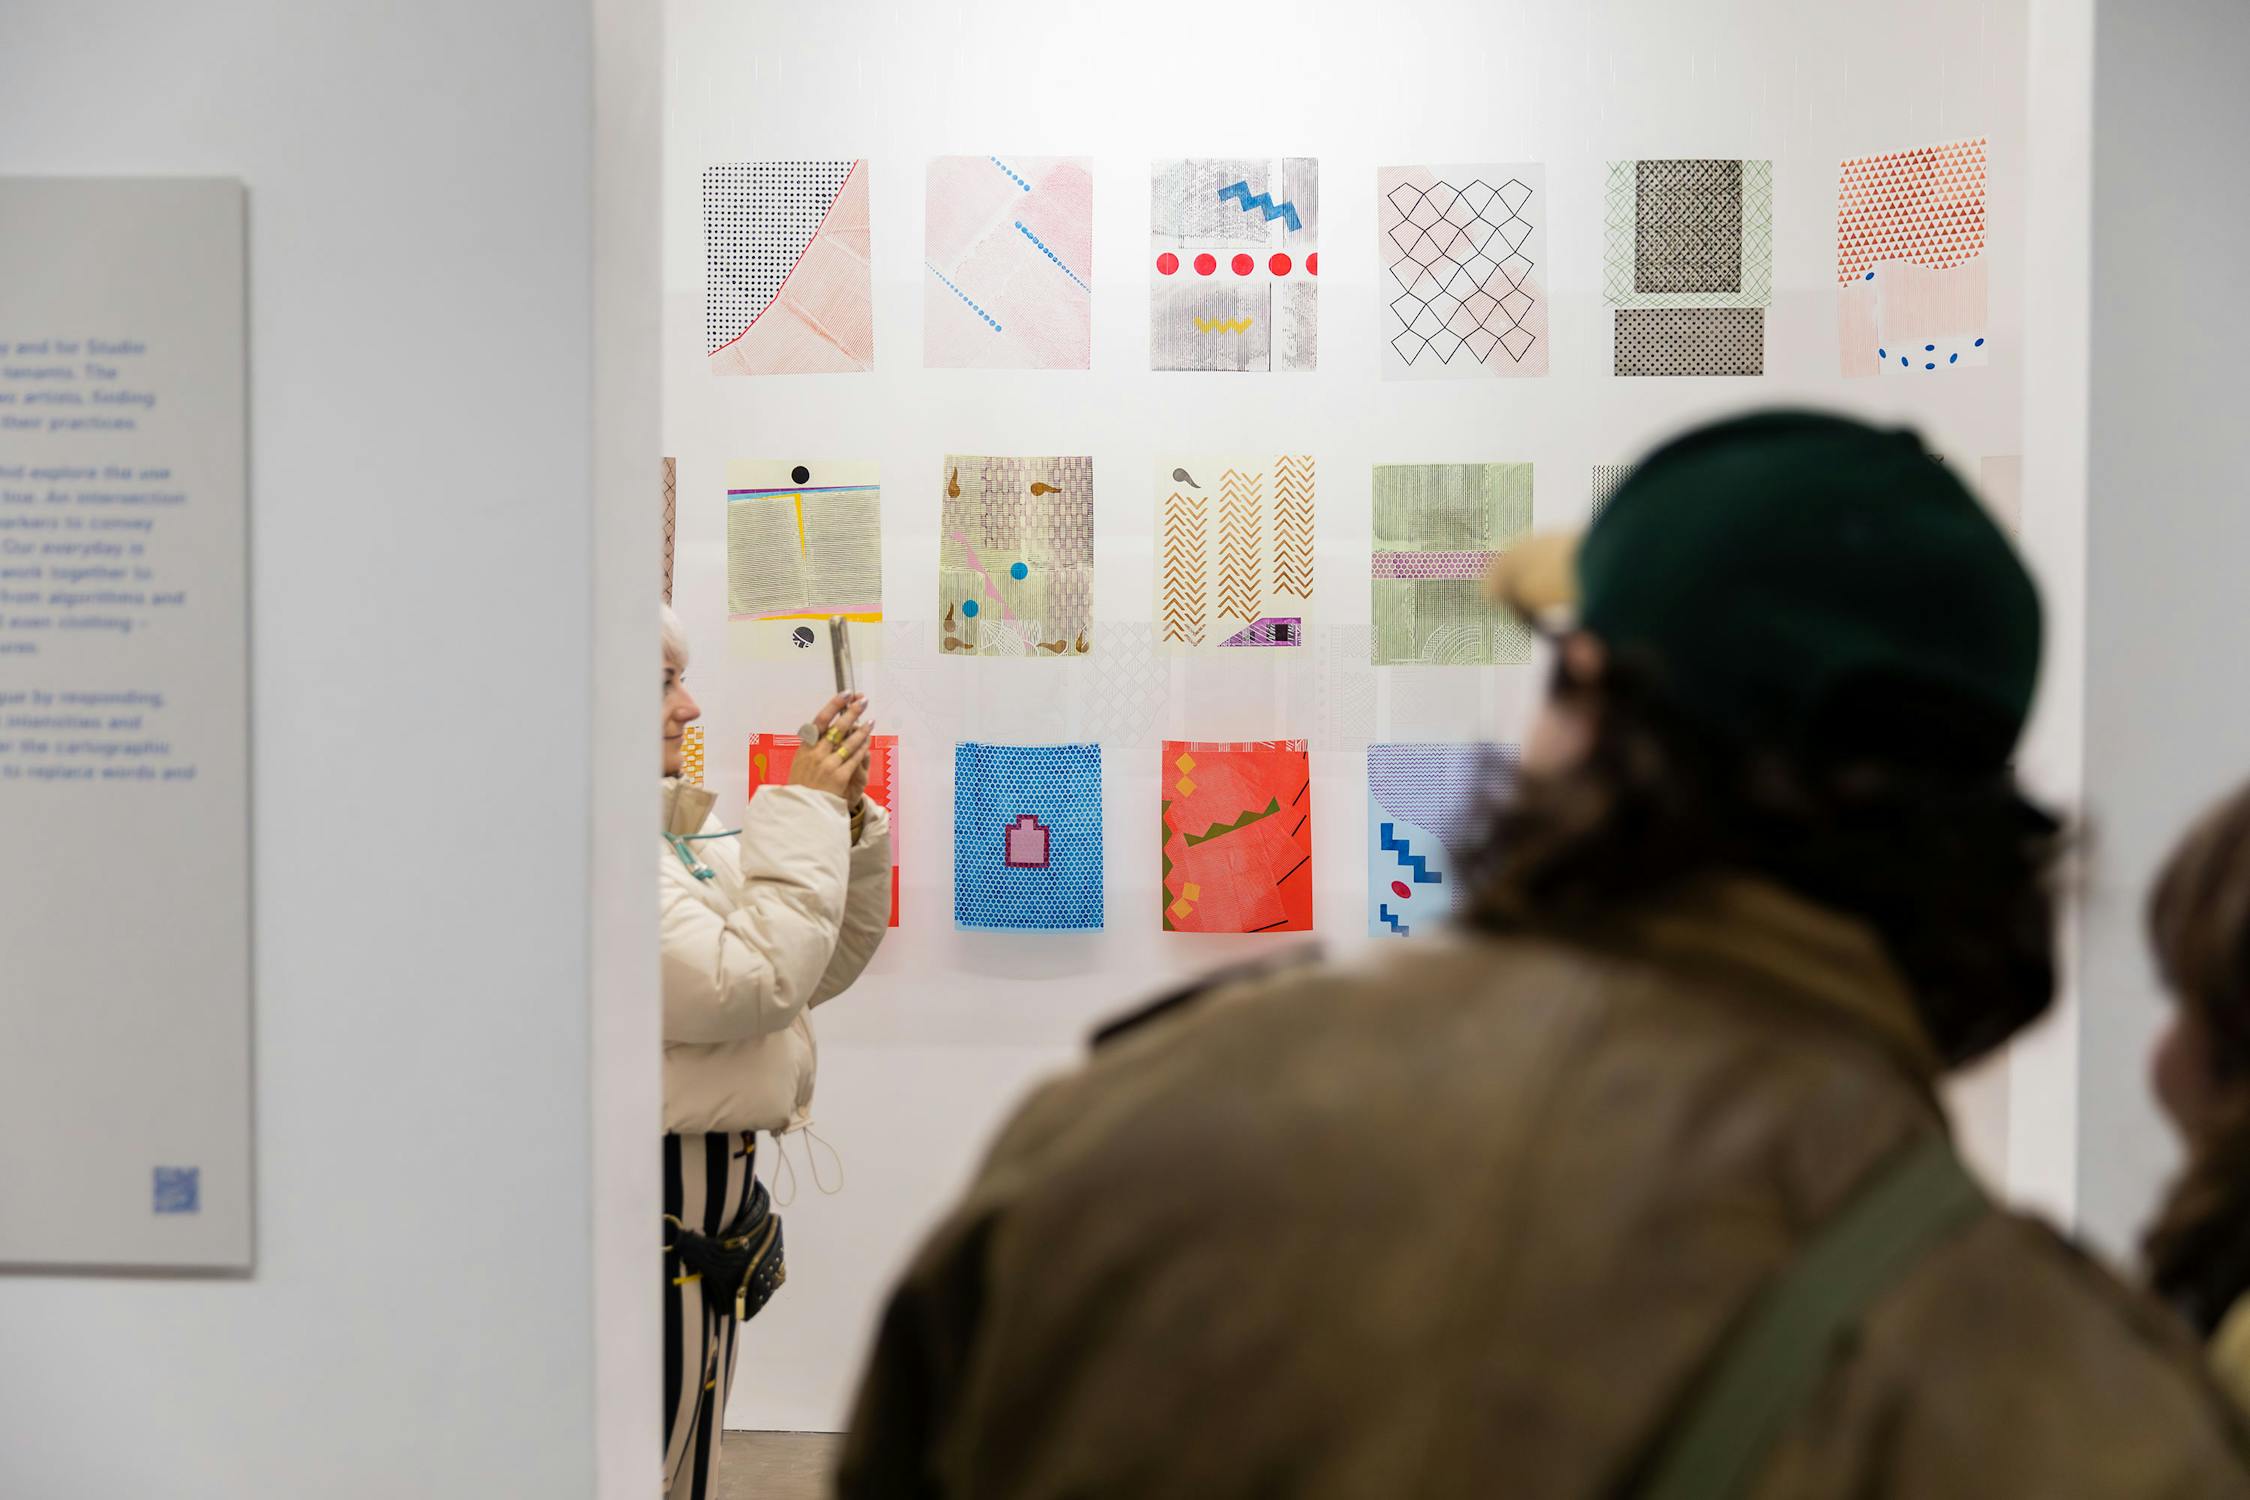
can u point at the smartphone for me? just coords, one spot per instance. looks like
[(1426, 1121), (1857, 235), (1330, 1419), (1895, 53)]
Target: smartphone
[(840, 644)]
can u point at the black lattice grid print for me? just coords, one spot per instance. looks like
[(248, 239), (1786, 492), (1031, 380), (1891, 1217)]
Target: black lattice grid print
[(671, 520), (1687, 234), (1465, 245), (758, 217)]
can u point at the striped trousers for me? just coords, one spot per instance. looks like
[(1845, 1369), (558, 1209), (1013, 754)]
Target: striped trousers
[(707, 1181)]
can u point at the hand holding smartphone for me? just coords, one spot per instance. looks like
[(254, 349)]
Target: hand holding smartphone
[(841, 725), (840, 650)]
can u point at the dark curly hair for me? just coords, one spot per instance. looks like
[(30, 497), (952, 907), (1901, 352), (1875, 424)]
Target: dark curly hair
[(2198, 1250), (1952, 866)]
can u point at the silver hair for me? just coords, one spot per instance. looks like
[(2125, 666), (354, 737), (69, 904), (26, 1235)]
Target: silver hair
[(675, 640)]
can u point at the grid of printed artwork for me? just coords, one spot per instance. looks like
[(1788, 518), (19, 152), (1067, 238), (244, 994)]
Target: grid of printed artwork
[(1238, 837), (1234, 264), (1428, 808), (1234, 562), (1016, 557), (1461, 278), (1439, 528), (1688, 265), (771, 756), (1027, 836), (804, 543)]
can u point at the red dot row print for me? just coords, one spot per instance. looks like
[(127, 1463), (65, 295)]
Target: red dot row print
[(1207, 264)]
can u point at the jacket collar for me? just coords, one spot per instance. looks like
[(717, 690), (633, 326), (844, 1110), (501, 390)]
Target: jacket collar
[(1748, 932), (686, 808)]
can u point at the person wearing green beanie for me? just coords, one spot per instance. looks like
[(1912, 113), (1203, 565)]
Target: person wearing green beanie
[(1638, 1183)]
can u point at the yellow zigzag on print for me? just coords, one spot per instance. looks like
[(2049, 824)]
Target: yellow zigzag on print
[(1222, 325)]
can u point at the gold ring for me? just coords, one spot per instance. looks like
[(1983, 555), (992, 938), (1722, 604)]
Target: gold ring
[(836, 738)]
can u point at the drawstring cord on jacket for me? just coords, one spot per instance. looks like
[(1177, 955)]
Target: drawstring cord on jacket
[(696, 867), (782, 1164)]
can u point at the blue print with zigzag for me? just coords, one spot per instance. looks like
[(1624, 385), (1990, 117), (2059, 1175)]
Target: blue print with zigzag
[(1428, 806)]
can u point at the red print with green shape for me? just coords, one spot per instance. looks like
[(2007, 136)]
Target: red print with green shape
[(1237, 850)]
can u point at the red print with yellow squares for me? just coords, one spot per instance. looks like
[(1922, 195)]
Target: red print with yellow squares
[(1237, 837)]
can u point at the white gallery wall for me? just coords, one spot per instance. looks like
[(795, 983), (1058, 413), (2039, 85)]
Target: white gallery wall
[(2167, 722), (923, 1058), (435, 728)]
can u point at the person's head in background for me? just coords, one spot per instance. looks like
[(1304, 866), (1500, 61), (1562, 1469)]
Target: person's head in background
[(680, 707), (2199, 926), (1793, 647)]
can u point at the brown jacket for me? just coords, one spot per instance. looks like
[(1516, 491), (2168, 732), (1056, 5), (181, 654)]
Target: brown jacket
[(1470, 1220)]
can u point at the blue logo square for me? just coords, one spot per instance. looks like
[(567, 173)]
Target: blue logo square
[(179, 1190)]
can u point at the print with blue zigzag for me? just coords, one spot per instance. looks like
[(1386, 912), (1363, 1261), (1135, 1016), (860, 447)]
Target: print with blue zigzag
[(1428, 806), (1286, 212)]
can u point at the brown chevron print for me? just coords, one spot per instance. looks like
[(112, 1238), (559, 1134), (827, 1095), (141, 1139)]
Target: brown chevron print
[(1293, 526), (1184, 544), (1241, 506)]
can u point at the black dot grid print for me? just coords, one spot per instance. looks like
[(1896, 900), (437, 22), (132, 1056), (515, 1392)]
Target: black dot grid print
[(758, 217), (1691, 341)]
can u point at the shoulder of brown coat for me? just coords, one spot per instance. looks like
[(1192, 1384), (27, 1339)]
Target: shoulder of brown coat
[(1187, 997), (1180, 1044), (1071, 1111), (2134, 1309), (1301, 977), (2106, 1356)]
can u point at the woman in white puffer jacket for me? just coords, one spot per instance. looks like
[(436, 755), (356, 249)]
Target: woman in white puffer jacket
[(760, 924)]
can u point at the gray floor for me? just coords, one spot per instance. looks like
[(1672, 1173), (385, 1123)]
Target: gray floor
[(776, 1465)]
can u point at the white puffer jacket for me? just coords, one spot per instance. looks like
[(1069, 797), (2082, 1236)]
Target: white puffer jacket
[(790, 914)]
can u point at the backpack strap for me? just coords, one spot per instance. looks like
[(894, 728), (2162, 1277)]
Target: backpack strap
[(1775, 1356)]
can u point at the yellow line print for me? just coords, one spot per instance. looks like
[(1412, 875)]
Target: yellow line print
[(800, 523), (1221, 325)]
